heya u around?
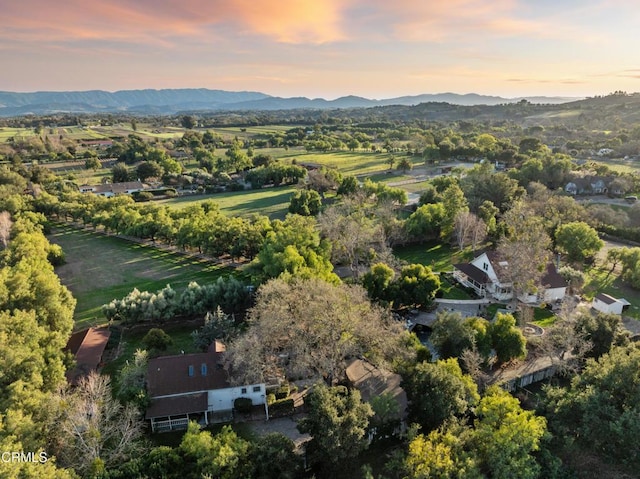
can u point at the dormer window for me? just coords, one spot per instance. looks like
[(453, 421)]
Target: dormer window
[(203, 369), (191, 371)]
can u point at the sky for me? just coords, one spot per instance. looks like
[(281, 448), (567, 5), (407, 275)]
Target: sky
[(323, 48)]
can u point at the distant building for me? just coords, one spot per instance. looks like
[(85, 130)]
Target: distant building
[(194, 387), (87, 347), (113, 189)]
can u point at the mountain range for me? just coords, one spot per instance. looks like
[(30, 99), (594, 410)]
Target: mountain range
[(173, 101)]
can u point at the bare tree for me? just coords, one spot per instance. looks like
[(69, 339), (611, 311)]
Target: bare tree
[(469, 229), (5, 228), (96, 432), (308, 328), (524, 252)]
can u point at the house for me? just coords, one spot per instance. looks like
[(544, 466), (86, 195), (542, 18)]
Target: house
[(372, 381), (487, 276), (608, 304), (194, 387), (588, 185), (87, 347), (112, 189)]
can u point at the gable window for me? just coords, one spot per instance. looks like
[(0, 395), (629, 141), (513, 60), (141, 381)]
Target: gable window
[(485, 266)]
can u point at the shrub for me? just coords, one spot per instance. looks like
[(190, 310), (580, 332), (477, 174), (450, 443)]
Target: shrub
[(243, 405), (271, 398), (55, 255), (283, 391), (281, 407), (143, 196), (157, 339)]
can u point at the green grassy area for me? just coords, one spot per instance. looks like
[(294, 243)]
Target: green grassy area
[(543, 317), (130, 341), (101, 268), (492, 309), (272, 202), (389, 177), (439, 257), (8, 132), (452, 290)]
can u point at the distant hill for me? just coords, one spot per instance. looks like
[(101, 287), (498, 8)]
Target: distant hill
[(171, 101)]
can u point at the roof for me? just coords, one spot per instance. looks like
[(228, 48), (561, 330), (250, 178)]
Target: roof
[(372, 381), (605, 298), (473, 272), (87, 347), (168, 375), (116, 187), (176, 406), (552, 278)]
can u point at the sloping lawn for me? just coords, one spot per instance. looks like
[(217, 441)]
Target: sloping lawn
[(439, 257)]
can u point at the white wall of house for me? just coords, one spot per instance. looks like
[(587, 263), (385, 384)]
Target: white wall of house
[(613, 308), (554, 294), (222, 399)]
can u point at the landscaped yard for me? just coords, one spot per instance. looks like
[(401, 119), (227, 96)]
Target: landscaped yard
[(101, 268), (439, 257)]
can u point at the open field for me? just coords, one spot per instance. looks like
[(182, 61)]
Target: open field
[(272, 202), (101, 268)]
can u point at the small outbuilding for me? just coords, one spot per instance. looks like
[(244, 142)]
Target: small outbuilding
[(608, 304), (87, 347)]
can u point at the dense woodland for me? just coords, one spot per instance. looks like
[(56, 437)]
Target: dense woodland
[(281, 295)]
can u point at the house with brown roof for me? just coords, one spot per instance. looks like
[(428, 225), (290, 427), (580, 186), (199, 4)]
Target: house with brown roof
[(87, 347), (487, 275), (188, 387)]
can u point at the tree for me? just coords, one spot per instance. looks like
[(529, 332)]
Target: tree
[(148, 169), (507, 339), (603, 331), (378, 280), (454, 202), (156, 339), (439, 391), (404, 165), (223, 455), (416, 286), (217, 325), (348, 186), (119, 173), (131, 380), (92, 164), (273, 457), (469, 229), (338, 422), (294, 248), (525, 250), (578, 241), (308, 328), (305, 203), (5, 228), (189, 122), (452, 334), (95, 431), (426, 222), (601, 408)]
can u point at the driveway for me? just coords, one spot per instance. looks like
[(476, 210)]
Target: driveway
[(283, 425)]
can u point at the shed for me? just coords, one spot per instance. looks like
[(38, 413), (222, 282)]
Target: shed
[(608, 304)]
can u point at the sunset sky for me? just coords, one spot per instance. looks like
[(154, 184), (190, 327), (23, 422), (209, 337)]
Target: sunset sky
[(323, 48)]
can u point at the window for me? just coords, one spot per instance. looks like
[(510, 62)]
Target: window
[(191, 371), (203, 369), (243, 390), (256, 389), (485, 267)]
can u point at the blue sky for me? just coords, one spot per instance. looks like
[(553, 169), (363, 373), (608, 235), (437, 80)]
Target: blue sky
[(323, 48)]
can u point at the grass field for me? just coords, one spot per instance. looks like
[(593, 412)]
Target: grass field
[(101, 268), (272, 202)]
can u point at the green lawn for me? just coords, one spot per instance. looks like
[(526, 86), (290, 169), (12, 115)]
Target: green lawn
[(452, 290), (438, 256), (101, 268), (272, 202)]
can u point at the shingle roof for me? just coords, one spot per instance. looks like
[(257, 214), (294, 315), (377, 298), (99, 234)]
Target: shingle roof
[(605, 298), (552, 278), (176, 406), (473, 272), (171, 374), (372, 381)]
